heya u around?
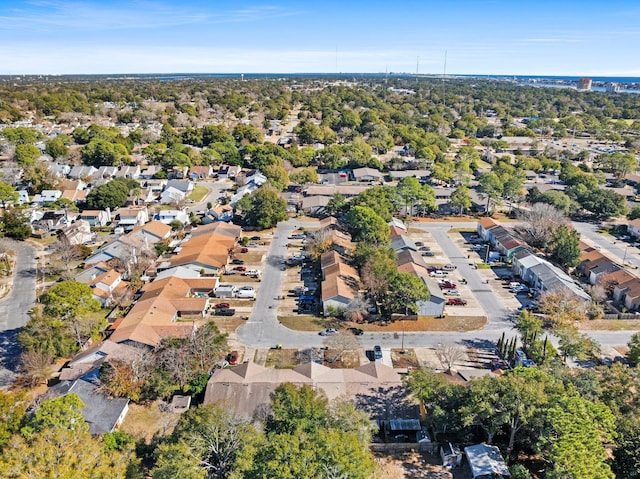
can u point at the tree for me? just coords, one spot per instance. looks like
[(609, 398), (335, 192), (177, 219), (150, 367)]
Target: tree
[(491, 186), (412, 194), (539, 223), (461, 199), (577, 432), (619, 164), (8, 194), (633, 355), (406, 290), (99, 152), (265, 208), (337, 203), (12, 411), (15, 225), (277, 176), (530, 327), (565, 246), (26, 155), (449, 354), (113, 194), (561, 308), (378, 266), (572, 343), (63, 412), (304, 175), (21, 135), (341, 343), (366, 225), (57, 147), (35, 367)]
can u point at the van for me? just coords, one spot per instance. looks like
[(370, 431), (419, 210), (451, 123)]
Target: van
[(252, 272)]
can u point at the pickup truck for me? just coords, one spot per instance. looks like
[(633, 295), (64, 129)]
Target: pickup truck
[(252, 272), (456, 302)]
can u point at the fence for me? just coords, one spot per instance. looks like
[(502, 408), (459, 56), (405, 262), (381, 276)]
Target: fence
[(621, 316), (393, 447)]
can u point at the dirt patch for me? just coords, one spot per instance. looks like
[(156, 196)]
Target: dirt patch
[(610, 325), (228, 324), (306, 322), (404, 359), (145, 421), (282, 358), (409, 465), (250, 258), (348, 360)]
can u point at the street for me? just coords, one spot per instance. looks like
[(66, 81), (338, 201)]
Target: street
[(14, 309)]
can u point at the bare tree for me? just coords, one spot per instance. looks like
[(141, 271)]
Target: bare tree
[(35, 367), (562, 308), (357, 309), (318, 244), (64, 254), (540, 221), (341, 343), (449, 354)]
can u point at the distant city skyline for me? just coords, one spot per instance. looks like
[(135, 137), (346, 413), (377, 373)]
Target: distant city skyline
[(493, 37)]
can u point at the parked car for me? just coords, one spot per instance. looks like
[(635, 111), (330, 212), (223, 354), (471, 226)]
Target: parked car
[(449, 267), (252, 272), (255, 238), (428, 253), (437, 274), (456, 302), (419, 243), (237, 261), (244, 250), (424, 248), (224, 312), (445, 284), (232, 357), (231, 271), (328, 332), (252, 245), (245, 293), (356, 331), (377, 352), (452, 292), (240, 268), (221, 305)]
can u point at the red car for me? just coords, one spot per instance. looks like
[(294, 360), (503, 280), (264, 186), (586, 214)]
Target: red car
[(221, 306), (232, 357), (456, 302), (448, 285), (244, 250), (239, 268)]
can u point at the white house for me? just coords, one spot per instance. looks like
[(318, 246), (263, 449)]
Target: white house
[(167, 216), (132, 217), (171, 195), (97, 218), (47, 196)]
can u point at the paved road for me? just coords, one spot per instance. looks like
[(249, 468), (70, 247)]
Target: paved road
[(263, 329), (216, 188), (14, 308)]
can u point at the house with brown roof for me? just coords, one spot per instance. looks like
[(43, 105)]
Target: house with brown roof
[(246, 389), (207, 248), (78, 232), (153, 232), (96, 217), (199, 172), (168, 307), (340, 282), (105, 284), (129, 218), (484, 225)]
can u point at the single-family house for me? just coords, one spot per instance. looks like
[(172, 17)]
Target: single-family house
[(402, 242), (77, 196), (315, 205), (153, 232), (168, 307), (486, 462), (46, 196), (171, 195), (185, 186), (150, 171), (105, 173), (96, 218), (104, 285), (219, 213), (82, 171), (167, 216), (102, 412), (367, 174), (78, 232), (200, 172), (23, 197), (133, 216), (128, 171)]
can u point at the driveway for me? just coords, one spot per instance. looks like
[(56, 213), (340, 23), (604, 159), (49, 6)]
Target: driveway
[(14, 309)]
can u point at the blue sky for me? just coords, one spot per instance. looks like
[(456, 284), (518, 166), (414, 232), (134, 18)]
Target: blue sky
[(540, 37)]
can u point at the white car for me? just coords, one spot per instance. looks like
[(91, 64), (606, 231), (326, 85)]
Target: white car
[(246, 292), (452, 292)]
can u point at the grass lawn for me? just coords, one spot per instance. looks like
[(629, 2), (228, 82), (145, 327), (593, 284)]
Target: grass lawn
[(282, 358), (404, 359), (228, 324), (144, 421), (199, 193), (423, 323), (610, 325)]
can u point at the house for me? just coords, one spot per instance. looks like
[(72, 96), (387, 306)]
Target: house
[(51, 220), (104, 285), (207, 248), (167, 216), (200, 172), (102, 413), (171, 195), (168, 307), (150, 171), (185, 186), (80, 172), (402, 242), (128, 218), (230, 172), (340, 242), (23, 197), (78, 232), (633, 227), (77, 196), (486, 462), (96, 218), (246, 389), (105, 173), (507, 245), (220, 213), (409, 261), (315, 205), (367, 174), (46, 196), (397, 223), (340, 282), (153, 232), (128, 171)]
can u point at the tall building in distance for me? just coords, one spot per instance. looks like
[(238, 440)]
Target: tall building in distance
[(584, 84), (613, 87)]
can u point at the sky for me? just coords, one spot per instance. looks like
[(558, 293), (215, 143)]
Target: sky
[(499, 37)]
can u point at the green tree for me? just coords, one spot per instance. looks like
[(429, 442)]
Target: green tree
[(264, 208), (12, 411), (491, 186), (277, 176), (461, 199), (8, 194), (21, 135), (618, 164), (304, 175), (64, 412), (633, 355), (565, 246), (113, 194), (15, 225), (336, 205), (27, 154), (412, 194), (406, 290), (57, 147), (99, 152), (577, 432), (366, 225)]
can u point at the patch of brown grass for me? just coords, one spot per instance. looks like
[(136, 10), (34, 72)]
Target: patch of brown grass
[(282, 358), (144, 421), (228, 324), (307, 322), (610, 325), (404, 359), (348, 360)]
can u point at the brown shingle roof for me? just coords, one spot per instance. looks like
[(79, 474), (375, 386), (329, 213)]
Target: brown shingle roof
[(208, 246), (487, 223)]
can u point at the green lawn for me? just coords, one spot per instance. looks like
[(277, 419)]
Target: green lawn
[(198, 194)]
